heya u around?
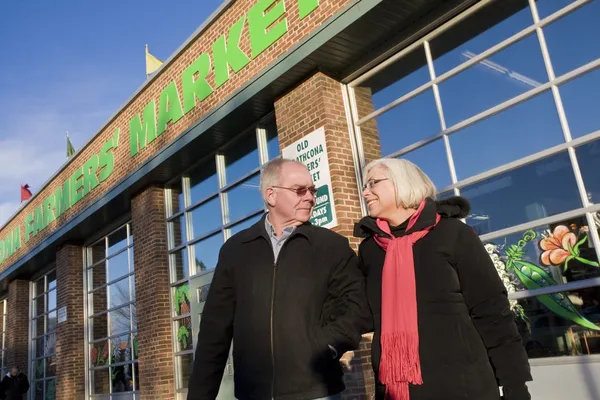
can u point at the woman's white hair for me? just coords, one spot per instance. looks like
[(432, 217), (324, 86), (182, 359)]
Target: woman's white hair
[(411, 183)]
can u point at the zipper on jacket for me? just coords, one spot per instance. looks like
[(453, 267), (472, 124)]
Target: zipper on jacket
[(272, 344), (275, 261)]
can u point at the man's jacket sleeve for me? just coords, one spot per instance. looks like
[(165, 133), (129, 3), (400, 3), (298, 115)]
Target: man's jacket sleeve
[(215, 335), (348, 286)]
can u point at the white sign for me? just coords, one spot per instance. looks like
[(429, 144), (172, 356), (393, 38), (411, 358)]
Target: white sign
[(62, 314), (312, 152)]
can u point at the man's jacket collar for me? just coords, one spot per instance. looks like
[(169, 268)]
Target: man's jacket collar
[(258, 230)]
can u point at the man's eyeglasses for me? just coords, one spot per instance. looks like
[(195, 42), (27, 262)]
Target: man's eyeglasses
[(300, 191), (372, 182)]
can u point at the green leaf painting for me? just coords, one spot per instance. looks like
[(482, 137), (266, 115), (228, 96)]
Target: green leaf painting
[(559, 247)]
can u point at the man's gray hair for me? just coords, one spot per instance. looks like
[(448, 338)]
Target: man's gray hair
[(271, 173)]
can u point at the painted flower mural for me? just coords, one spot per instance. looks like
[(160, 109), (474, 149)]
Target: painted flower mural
[(508, 280), (559, 247)]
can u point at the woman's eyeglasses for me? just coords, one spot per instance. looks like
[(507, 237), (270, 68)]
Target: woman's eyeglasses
[(372, 182)]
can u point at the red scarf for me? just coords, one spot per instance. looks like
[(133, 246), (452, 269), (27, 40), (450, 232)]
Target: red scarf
[(400, 363)]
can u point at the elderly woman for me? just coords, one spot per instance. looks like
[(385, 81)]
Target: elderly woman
[(442, 321)]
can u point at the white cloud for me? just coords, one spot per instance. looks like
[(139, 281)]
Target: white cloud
[(32, 133)]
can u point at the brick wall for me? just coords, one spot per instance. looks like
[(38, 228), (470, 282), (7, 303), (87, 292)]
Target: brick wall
[(70, 371), (17, 324), (124, 164), (318, 102), (156, 378)]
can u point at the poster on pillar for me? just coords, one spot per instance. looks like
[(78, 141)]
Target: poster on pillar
[(312, 152)]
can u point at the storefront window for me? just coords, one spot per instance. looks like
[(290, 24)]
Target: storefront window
[(111, 313), (3, 305), (516, 132), (43, 381), (224, 198), (580, 98)]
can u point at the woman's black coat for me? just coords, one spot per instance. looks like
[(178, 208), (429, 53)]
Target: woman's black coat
[(468, 341)]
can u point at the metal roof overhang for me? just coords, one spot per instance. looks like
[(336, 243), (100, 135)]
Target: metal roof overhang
[(361, 35)]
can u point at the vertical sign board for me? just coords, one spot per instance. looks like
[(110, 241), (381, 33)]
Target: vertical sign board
[(312, 152)]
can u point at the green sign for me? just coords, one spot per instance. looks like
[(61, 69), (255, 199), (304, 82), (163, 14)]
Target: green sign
[(266, 23), (85, 179)]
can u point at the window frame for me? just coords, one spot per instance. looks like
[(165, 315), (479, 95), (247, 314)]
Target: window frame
[(88, 265), (570, 145)]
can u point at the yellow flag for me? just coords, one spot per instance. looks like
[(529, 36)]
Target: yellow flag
[(152, 63)]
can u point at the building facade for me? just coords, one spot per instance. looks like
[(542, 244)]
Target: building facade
[(104, 272)]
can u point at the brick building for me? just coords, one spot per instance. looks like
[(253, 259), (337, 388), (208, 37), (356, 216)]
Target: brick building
[(103, 273)]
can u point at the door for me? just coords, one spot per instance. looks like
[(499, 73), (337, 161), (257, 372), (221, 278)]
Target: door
[(198, 291)]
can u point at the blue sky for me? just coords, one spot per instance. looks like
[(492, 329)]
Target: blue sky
[(68, 66)]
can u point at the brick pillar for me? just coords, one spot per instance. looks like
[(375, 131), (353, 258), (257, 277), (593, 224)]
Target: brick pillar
[(318, 102), (152, 295), (70, 372), (17, 325)]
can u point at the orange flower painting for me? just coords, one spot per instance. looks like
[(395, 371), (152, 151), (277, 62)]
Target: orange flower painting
[(557, 246), (561, 246)]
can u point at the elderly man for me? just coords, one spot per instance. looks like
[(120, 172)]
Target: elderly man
[(289, 294)]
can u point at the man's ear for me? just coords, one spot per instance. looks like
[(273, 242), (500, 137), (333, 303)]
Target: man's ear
[(270, 196)]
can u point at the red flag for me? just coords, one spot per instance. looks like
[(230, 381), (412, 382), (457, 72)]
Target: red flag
[(25, 193)]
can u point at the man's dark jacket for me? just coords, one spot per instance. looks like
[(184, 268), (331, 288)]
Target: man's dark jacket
[(282, 316)]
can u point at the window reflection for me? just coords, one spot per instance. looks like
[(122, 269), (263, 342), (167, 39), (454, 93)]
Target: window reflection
[(445, 195), (184, 365), (207, 217), (203, 181), (51, 280), (521, 130), (118, 266), (117, 241), (549, 7), (178, 231), (564, 38), (560, 253), (43, 328), (51, 300), (433, 161), (561, 324), (272, 140), (207, 253), (580, 98), (419, 118), (119, 293), (244, 199), (177, 198), (241, 157), (180, 266), (403, 76), (120, 320), (588, 157), (544, 188), (507, 74), (481, 30)]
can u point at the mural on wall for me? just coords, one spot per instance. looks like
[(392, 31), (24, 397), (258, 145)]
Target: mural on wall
[(558, 247), (182, 307)]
